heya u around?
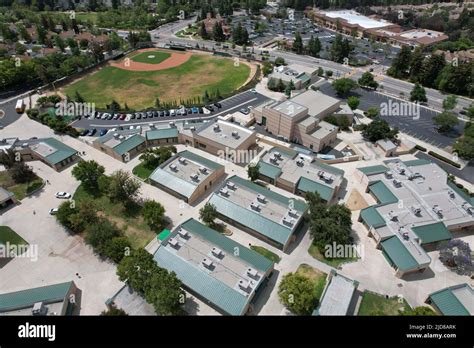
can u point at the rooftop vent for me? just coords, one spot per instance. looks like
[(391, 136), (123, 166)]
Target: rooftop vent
[(192, 128), (173, 242), (217, 252), (401, 170), (224, 192), (261, 198), (274, 160), (171, 124), (203, 170), (244, 285), (393, 216), (216, 128), (468, 208), (235, 134), (39, 309), (451, 194), (293, 213), (173, 167), (388, 174), (255, 206), (182, 160), (277, 155), (207, 263), (416, 210), (288, 221), (231, 185), (194, 177), (116, 135), (183, 233), (397, 183), (252, 272), (438, 210), (327, 177), (300, 162), (151, 125)]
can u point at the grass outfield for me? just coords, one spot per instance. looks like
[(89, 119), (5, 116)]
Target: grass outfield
[(157, 57), (139, 89)]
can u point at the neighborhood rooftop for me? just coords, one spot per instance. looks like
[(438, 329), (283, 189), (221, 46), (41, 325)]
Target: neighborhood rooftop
[(224, 133)]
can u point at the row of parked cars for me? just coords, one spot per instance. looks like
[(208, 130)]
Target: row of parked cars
[(155, 113)]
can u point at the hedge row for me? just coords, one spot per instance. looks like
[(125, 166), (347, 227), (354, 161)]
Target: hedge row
[(444, 159)]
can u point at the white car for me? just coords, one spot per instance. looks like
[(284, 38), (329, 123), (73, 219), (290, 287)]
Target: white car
[(206, 111), (132, 127), (53, 211), (253, 90), (63, 195)]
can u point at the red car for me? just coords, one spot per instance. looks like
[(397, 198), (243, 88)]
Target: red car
[(122, 117)]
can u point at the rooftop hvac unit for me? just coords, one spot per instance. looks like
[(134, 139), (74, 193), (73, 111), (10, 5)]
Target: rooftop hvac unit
[(320, 173), (235, 134), (401, 170), (300, 162), (217, 252), (24, 145), (406, 236), (171, 124), (397, 183), (121, 137), (207, 263), (388, 174), (327, 177), (255, 206), (451, 193), (261, 198), (224, 192), (438, 210), (393, 216), (173, 242), (192, 128), (183, 233), (288, 221), (194, 177), (151, 125), (277, 154), (231, 185), (244, 285), (173, 167), (39, 309), (252, 272), (293, 213), (182, 160), (216, 128), (116, 135), (416, 210), (274, 160), (203, 170)]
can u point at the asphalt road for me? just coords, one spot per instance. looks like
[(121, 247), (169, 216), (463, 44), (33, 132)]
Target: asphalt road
[(421, 127), (8, 114), (229, 105)]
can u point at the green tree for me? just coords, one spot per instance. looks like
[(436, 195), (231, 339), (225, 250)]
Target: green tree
[(450, 102), (367, 80), (136, 269), (65, 214), (153, 214), (117, 248), (203, 32), (353, 102), (21, 173), (289, 87), (314, 47), (218, 33), (379, 129), (372, 112), (297, 293), (298, 43), (253, 171), (340, 50), (88, 173), (401, 63), (101, 233), (165, 293), (343, 86), (208, 214), (123, 188), (464, 147), (280, 61), (418, 94), (416, 64), (445, 121), (113, 311), (59, 43)]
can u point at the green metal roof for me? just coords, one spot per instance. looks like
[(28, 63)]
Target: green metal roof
[(164, 133), (172, 182), (461, 192), (304, 78), (63, 151), (382, 192), (307, 185), (328, 168), (398, 254), (432, 233), (448, 303), (417, 162), (260, 262), (268, 170), (196, 158), (199, 281), (298, 204), (129, 144), (372, 218), (27, 298), (284, 151), (378, 169)]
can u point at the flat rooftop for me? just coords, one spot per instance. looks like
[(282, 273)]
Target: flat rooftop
[(290, 108), (206, 262), (226, 133), (337, 298), (315, 101), (353, 17)]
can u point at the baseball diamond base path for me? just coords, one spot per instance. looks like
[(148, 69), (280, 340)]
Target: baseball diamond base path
[(176, 59)]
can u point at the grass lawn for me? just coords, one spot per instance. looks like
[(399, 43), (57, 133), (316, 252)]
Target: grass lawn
[(139, 89), (87, 16), (267, 253), (314, 252), (316, 276), (379, 305), (142, 172), (20, 190), (151, 57), (131, 222), (8, 235)]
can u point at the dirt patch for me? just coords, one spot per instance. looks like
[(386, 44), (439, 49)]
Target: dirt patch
[(176, 59), (356, 201)]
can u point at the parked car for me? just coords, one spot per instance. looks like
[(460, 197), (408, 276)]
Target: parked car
[(92, 132), (245, 111), (149, 114), (53, 211), (84, 132), (218, 105), (253, 90), (116, 116), (110, 117), (167, 113), (104, 116), (161, 113), (120, 128), (122, 117), (103, 132), (63, 195), (210, 107), (172, 112), (201, 111), (139, 115), (195, 110)]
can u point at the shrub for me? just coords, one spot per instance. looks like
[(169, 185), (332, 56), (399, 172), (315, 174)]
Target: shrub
[(444, 159)]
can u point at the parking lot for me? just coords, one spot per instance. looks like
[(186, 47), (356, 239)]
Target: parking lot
[(232, 104)]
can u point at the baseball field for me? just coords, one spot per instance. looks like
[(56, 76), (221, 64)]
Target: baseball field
[(140, 78)]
